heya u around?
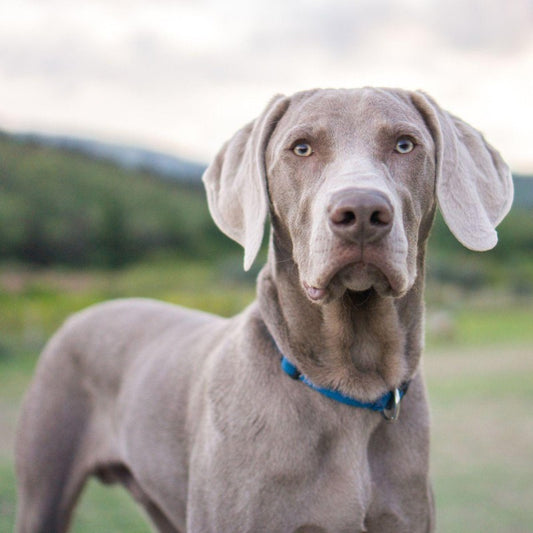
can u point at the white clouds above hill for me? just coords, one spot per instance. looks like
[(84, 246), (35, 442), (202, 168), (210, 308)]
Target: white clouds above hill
[(184, 75)]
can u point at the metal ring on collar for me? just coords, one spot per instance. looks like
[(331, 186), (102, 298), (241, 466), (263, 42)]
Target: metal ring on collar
[(392, 411)]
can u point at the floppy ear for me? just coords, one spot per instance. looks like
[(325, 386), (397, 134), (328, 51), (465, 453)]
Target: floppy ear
[(474, 185), (236, 181)]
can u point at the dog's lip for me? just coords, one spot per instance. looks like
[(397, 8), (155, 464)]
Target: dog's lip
[(315, 293), (318, 289), (323, 289)]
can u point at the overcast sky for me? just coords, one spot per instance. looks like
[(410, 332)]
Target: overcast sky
[(183, 75)]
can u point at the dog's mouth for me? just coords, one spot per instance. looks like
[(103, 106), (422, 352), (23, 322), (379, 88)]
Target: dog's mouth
[(356, 272), (357, 277)]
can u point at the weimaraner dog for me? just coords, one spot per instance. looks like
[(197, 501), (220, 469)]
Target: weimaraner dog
[(286, 417)]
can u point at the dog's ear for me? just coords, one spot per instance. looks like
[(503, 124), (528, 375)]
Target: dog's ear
[(474, 185), (236, 181)]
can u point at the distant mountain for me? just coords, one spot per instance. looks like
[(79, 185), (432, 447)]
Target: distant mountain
[(128, 157)]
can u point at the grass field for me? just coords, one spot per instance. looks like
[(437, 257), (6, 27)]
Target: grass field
[(478, 364)]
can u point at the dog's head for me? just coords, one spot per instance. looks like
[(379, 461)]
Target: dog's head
[(351, 179)]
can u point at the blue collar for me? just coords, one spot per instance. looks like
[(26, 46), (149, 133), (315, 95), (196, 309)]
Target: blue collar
[(388, 405)]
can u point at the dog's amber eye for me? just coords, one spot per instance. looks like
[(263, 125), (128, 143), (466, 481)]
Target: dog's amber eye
[(404, 145), (302, 149)]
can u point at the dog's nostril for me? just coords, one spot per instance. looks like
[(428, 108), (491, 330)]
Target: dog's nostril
[(380, 218), (344, 218)]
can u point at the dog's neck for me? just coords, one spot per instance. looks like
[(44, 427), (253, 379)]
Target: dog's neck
[(361, 344)]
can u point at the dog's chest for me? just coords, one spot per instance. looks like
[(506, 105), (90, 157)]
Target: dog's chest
[(280, 470)]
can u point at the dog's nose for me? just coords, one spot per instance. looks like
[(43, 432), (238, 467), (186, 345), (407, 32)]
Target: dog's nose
[(360, 215)]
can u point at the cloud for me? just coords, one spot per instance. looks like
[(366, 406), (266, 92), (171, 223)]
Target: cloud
[(489, 25), (185, 74)]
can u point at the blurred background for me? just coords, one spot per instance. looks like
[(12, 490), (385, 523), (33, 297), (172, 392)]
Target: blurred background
[(109, 112)]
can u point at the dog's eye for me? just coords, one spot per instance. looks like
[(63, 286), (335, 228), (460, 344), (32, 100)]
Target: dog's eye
[(302, 149), (404, 145)]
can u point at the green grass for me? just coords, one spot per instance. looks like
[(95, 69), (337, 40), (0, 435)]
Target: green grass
[(482, 437), (492, 326), (479, 375), (483, 318), (484, 498), (102, 506)]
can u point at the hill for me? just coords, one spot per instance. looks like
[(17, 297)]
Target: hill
[(60, 206), (523, 191), (128, 157)]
